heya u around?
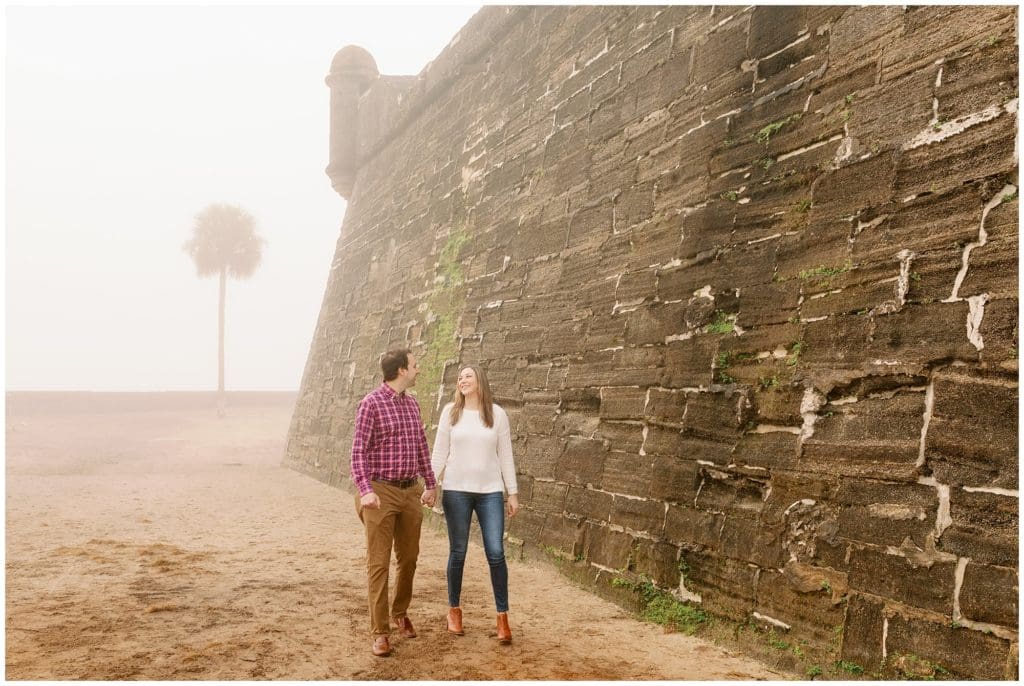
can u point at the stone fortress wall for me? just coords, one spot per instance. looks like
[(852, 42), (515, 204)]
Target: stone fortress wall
[(745, 280)]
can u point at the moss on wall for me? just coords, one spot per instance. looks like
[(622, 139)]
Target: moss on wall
[(445, 309)]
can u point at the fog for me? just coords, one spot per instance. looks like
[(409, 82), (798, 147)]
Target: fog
[(124, 122)]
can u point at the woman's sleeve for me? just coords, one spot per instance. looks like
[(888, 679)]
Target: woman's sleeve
[(508, 465), (442, 443)]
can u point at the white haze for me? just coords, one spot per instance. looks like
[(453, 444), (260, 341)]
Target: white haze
[(121, 124)]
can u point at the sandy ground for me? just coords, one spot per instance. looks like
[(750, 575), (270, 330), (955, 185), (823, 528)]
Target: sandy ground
[(146, 539)]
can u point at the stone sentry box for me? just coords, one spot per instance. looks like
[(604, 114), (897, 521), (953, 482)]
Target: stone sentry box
[(745, 280)]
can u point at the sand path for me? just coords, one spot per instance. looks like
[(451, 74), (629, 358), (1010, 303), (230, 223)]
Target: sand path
[(154, 542)]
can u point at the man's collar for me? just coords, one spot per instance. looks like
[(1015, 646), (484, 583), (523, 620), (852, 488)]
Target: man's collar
[(389, 391)]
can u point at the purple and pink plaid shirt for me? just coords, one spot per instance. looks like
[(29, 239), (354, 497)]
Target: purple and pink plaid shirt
[(389, 441)]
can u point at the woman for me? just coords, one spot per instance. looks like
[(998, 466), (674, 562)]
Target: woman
[(472, 460)]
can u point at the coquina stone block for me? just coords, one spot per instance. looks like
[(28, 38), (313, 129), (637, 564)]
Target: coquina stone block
[(984, 526), (959, 651), (726, 586), (990, 594), (809, 612), (972, 436), (928, 585)]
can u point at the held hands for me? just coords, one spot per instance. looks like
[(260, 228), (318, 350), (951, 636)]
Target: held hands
[(429, 497), (513, 505), (370, 500)]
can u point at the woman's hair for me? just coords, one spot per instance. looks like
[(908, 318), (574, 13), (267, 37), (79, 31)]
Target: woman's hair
[(483, 390)]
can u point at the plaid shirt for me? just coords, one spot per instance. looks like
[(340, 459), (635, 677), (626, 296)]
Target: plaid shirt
[(389, 440)]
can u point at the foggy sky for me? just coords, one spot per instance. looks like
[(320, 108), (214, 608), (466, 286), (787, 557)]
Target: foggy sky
[(121, 124)]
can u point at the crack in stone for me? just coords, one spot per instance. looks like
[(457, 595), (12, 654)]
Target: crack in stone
[(974, 317), (903, 283), (1008, 190), (961, 567), (772, 428), (929, 405), (790, 87), (920, 557), (943, 520), (807, 148), (1010, 493), (936, 132), (772, 620)]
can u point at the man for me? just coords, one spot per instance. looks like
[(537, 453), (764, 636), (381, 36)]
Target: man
[(389, 453)]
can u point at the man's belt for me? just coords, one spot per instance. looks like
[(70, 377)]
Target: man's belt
[(399, 483)]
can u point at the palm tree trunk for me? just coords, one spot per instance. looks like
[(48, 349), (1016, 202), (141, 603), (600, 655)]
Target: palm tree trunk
[(221, 400)]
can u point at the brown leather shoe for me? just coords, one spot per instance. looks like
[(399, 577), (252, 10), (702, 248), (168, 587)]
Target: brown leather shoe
[(455, 621), (504, 632), (405, 626), (381, 646)]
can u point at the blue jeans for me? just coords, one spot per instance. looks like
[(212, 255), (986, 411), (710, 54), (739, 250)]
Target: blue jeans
[(490, 513)]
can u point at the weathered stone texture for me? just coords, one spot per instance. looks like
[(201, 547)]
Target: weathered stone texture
[(990, 594), (958, 650), (808, 610), (745, 279), (886, 513), (984, 526), (972, 438), (726, 586), (928, 586), (873, 437), (862, 631)]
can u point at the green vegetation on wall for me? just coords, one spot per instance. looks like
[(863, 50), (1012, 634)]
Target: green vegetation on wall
[(445, 306)]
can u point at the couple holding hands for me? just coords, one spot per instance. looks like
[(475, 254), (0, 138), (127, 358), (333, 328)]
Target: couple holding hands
[(472, 460)]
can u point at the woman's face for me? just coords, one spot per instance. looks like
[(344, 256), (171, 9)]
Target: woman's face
[(468, 384)]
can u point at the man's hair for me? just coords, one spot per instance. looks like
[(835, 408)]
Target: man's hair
[(392, 361)]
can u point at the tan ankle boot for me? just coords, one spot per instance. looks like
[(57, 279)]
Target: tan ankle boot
[(455, 621), (504, 632)]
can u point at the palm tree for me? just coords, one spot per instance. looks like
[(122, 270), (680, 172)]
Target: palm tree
[(224, 241)]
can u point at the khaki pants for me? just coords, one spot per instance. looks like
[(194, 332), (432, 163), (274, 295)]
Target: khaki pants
[(396, 524)]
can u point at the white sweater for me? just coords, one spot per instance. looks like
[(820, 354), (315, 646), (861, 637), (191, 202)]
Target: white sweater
[(474, 458)]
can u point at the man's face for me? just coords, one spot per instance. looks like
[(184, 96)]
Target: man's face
[(410, 372)]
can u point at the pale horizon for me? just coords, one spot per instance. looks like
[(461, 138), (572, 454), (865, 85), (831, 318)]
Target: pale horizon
[(122, 123)]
